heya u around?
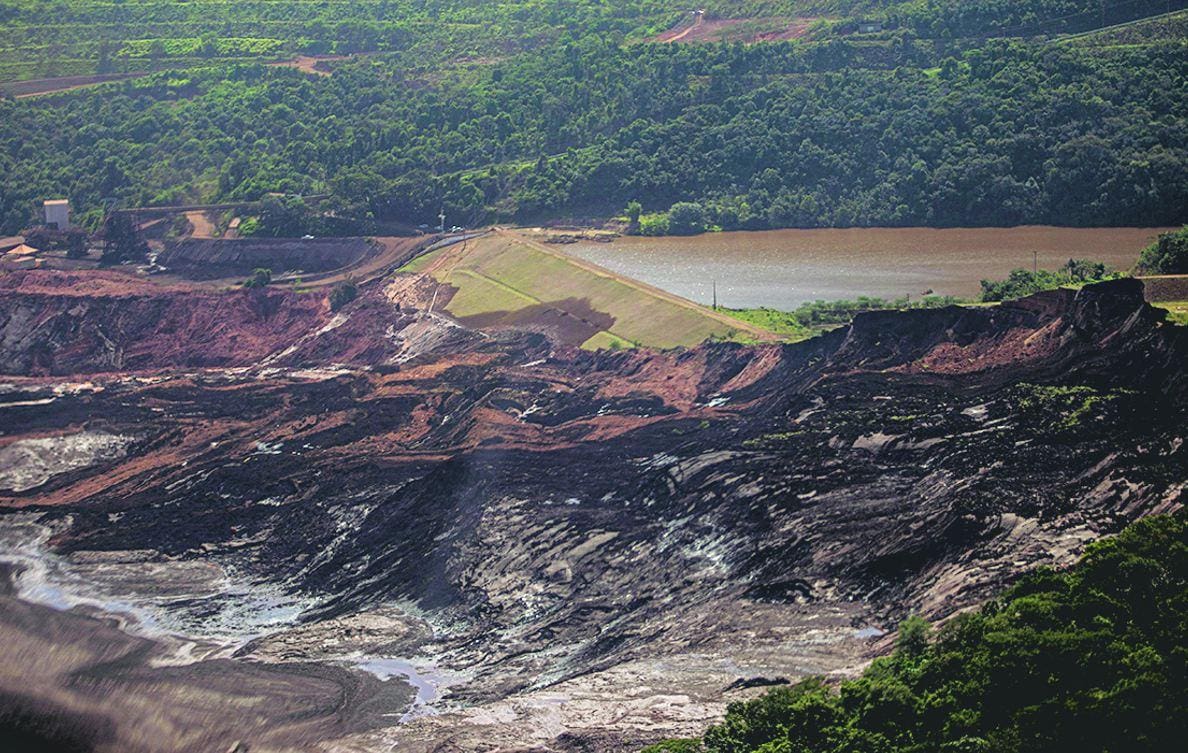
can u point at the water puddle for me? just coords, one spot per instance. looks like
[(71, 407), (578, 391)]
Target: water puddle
[(151, 597), (424, 676), (200, 609)]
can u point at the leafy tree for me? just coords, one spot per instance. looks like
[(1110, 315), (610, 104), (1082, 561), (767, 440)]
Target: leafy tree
[(342, 294), (282, 217), (912, 641), (121, 241), (1024, 282), (1168, 255), (686, 218), (633, 210), (260, 278), (893, 129)]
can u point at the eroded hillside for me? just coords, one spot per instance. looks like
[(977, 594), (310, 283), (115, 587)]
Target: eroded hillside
[(449, 539)]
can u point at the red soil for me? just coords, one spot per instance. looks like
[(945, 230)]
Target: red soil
[(75, 322), (749, 30)]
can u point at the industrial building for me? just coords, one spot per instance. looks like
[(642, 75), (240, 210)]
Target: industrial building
[(57, 213)]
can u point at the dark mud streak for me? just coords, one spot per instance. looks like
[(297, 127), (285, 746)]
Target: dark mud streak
[(856, 468), (212, 259), (29, 724)]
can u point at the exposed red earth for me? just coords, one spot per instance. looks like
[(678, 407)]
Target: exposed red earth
[(248, 501), (318, 65), (748, 30)]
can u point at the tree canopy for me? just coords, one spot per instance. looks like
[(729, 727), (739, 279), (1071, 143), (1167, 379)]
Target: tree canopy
[(909, 126)]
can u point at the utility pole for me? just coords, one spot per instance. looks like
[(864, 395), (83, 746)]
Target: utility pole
[(715, 285), (441, 216), (1035, 261)]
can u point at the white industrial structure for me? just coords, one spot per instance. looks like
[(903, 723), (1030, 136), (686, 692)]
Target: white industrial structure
[(57, 213)]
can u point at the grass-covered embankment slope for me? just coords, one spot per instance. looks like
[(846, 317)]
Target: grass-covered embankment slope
[(504, 280), (1091, 659)]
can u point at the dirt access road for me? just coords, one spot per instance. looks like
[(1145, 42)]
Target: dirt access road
[(309, 63), (201, 226), (668, 37), (37, 87), (749, 30), (394, 253)]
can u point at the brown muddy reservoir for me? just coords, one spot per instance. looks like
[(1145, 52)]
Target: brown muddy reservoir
[(785, 268)]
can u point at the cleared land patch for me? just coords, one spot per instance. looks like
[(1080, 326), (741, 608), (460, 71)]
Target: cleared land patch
[(317, 65), (502, 280), (212, 259), (35, 87), (1167, 27), (748, 30)]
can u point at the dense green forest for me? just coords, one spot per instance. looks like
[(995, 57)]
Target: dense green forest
[(1168, 255), (62, 37), (529, 110), (1088, 659)]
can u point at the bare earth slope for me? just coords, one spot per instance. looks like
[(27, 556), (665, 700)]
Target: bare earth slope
[(560, 550)]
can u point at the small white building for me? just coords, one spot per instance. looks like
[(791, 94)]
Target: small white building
[(57, 213)]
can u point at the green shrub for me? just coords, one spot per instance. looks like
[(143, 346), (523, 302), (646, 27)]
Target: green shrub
[(1024, 282), (653, 224), (260, 278), (1062, 408), (1166, 256)]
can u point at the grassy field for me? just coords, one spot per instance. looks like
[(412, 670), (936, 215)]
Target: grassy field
[(1177, 311), (812, 319), (479, 295), (782, 323), (502, 280)]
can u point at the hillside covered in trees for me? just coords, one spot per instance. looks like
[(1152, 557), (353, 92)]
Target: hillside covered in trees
[(951, 114), (1090, 659)]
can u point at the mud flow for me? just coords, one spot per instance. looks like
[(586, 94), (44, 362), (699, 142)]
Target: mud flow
[(242, 521)]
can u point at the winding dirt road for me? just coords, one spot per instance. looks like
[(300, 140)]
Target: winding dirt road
[(698, 17)]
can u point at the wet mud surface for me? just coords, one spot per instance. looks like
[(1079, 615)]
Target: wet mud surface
[(393, 531)]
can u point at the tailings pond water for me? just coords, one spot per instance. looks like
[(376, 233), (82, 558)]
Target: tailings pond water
[(785, 268)]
